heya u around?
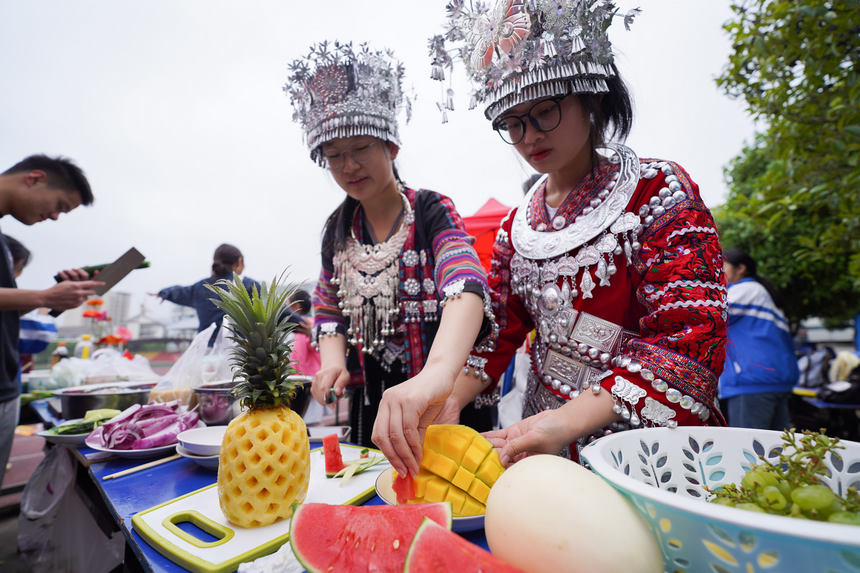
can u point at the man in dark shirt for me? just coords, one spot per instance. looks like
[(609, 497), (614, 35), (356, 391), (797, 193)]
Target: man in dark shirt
[(31, 191)]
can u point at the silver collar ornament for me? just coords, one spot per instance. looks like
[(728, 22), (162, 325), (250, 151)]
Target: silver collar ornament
[(603, 231), (521, 50), (338, 91), (536, 244)]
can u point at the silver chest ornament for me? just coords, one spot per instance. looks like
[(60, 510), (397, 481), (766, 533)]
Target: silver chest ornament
[(601, 232)]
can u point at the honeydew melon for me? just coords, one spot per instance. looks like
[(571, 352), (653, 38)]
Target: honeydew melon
[(549, 514)]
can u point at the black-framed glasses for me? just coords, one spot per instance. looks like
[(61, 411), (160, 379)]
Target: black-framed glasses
[(360, 154), (544, 116)]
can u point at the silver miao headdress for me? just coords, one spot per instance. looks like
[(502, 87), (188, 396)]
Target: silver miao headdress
[(337, 91), (519, 50)]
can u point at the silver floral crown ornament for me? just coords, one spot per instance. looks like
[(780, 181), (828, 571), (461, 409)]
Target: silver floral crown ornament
[(519, 50), (338, 91)]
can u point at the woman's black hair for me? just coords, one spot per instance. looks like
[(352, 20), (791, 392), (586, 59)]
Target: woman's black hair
[(19, 252), (611, 111), (738, 257), (336, 228), (223, 260), (303, 299)]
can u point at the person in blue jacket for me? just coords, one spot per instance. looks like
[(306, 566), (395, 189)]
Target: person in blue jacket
[(226, 261), (761, 368)]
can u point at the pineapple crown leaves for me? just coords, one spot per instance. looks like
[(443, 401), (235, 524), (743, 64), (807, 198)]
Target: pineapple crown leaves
[(258, 327)]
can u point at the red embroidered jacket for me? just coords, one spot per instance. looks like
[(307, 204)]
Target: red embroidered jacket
[(670, 299)]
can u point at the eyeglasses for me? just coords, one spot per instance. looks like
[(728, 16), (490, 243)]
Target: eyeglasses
[(337, 159), (544, 116)]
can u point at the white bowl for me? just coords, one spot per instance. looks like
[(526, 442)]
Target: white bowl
[(208, 462), (203, 441), (663, 472), (317, 433)]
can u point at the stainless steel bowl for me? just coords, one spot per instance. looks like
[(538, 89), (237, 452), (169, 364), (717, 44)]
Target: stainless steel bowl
[(216, 404), (78, 400)]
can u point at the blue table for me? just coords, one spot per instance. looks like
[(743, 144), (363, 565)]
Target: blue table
[(124, 496)]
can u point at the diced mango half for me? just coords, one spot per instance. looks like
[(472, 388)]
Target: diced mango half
[(458, 465)]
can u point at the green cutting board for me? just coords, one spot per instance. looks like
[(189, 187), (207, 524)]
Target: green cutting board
[(232, 545)]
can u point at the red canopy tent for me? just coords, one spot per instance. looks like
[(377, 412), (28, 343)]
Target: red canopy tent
[(483, 225)]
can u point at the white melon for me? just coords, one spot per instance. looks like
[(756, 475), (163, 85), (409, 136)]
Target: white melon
[(549, 514)]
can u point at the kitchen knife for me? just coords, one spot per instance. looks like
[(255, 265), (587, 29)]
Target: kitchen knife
[(114, 272)]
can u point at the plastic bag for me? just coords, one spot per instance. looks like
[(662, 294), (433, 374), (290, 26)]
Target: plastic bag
[(511, 404), (109, 365), (68, 372), (199, 364), (54, 524)]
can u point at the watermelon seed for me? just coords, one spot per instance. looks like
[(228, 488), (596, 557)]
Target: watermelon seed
[(396, 543)]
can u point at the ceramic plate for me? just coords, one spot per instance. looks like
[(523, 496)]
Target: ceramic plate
[(65, 439), (208, 462), (317, 433), (202, 441), (386, 493), (94, 442)]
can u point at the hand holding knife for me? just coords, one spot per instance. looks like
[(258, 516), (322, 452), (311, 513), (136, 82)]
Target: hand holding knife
[(69, 292)]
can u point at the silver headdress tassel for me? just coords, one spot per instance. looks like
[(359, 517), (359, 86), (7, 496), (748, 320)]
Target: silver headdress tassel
[(519, 50), (337, 91)]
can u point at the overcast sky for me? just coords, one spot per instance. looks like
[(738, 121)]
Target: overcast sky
[(174, 109)]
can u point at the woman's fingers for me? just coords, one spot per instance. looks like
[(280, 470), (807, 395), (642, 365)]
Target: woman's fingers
[(340, 383)]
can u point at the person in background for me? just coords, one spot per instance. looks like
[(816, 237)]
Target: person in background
[(761, 368), (612, 258), (37, 326), (226, 261), (392, 256), (36, 189), (305, 358)]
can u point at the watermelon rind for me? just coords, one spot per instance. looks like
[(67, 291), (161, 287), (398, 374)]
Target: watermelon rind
[(319, 532)]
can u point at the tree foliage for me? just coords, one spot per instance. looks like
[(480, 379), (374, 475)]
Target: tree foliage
[(794, 194)]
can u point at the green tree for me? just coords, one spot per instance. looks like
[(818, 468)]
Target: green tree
[(794, 194)]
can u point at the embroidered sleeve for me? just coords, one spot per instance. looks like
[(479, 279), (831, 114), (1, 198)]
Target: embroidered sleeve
[(513, 319), (669, 374), (458, 268), (328, 319)]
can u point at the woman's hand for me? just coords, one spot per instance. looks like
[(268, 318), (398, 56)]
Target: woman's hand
[(550, 431), (332, 374), (404, 414), (334, 377), (546, 432)]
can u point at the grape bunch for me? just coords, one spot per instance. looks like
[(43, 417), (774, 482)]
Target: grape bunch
[(791, 486)]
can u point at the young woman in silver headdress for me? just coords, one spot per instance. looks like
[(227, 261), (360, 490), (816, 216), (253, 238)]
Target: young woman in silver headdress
[(614, 260), (392, 256)]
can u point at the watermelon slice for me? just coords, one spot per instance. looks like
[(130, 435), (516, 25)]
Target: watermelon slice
[(438, 550), (404, 487), (365, 538), (333, 459)]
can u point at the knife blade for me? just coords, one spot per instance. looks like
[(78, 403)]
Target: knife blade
[(114, 272)]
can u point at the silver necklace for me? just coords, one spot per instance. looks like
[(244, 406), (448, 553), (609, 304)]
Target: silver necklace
[(368, 282), (534, 244)]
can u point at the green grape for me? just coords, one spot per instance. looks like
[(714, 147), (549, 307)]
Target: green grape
[(757, 477), (784, 488), (846, 517), (813, 497), (789, 483), (771, 498)]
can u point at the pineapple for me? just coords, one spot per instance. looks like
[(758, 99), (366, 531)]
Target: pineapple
[(264, 465)]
